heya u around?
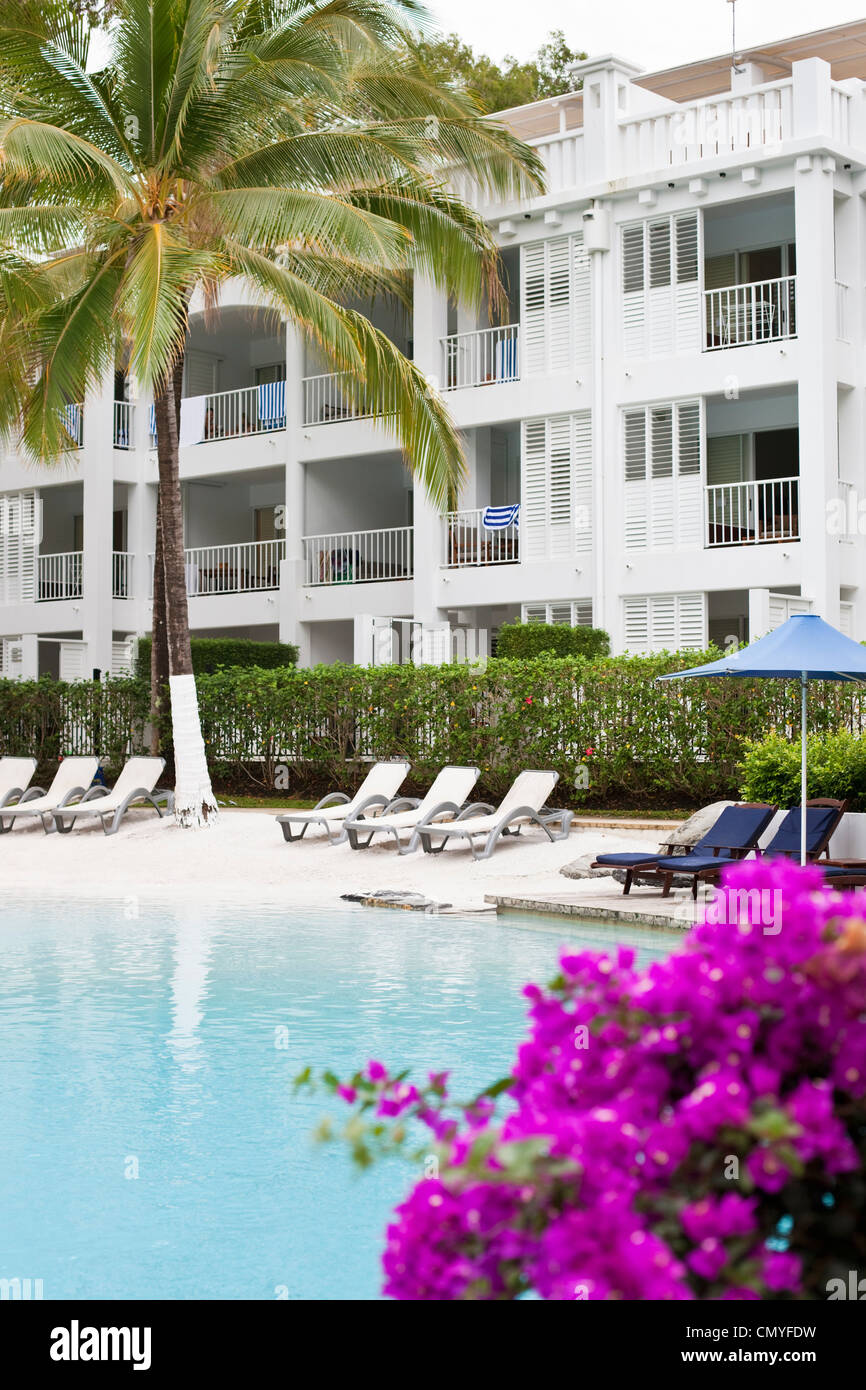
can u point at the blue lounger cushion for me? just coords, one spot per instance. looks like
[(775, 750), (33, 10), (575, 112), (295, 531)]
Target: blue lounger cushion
[(694, 863), (627, 861), (787, 838)]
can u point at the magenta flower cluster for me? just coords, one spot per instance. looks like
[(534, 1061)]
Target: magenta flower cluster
[(659, 1122)]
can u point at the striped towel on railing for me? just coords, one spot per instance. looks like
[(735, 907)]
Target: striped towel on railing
[(72, 420), (272, 405), (498, 518), (151, 421)]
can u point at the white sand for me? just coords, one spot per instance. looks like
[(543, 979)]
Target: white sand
[(245, 857)]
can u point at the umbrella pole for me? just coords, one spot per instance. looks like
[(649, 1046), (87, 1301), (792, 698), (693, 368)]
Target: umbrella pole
[(803, 683)]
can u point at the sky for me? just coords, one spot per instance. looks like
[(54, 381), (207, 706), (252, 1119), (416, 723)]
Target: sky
[(658, 35)]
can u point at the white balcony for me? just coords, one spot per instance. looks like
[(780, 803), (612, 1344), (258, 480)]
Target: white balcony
[(121, 574), (58, 576), (229, 414), (755, 513), (241, 568), (330, 397), (124, 419), (469, 542), (761, 312), (724, 124), (481, 358), (359, 557)]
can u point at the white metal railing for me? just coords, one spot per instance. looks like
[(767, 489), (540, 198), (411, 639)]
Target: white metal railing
[(761, 312), (328, 398), (230, 414), (123, 422), (359, 557), (842, 311), (753, 513), (58, 576), (469, 542), (73, 421), (480, 358), (239, 568), (703, 129), (121, 574)]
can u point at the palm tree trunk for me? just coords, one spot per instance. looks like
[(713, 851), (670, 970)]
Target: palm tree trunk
[(159, 639), (194, 799)]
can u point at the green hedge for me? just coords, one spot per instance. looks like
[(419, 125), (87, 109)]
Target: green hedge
[(615, 734), (211, 653), (523, 641), (837, 767)]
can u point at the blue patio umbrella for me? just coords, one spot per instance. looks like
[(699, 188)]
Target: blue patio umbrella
[(805, 648)]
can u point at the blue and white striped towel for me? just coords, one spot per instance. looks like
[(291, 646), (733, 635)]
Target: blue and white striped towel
[(499, 518), (272, 405)]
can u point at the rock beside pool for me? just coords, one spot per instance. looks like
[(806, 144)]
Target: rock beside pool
[(390, 897), (580, 868)]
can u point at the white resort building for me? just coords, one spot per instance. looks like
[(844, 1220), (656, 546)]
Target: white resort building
[(667, 439)]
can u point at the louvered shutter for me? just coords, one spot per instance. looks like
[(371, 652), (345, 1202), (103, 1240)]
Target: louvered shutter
[(556, 506), (555, 309), (19, 538), (73, 661), (534, 613), (689, 494), (582, 481), (661, 286), (724, 459), (565, 612), (561, 530), (665, 622), (636, 492), (534, 490)]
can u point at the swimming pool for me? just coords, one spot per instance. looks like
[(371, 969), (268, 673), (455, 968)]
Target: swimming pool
[(151, 1145)]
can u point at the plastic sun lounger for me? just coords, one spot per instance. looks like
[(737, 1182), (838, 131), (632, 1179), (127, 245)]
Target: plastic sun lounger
[(446, 796), (378, 788), (71, 780), (736, 831), (523, 804), (15, 776), (135, 784)]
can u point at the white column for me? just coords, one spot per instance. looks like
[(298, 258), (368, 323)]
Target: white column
[(817, 385), (759, 613), (98, 482), (292, 593), (430, 325), (141, 542), (29, 656)]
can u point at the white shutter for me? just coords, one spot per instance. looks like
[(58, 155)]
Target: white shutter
[(661, 308), (846, 619), (534, 490), (556, 491), (202, 373), (785, 606), (73, 661), (11, 658), (555, 305), (19, 538), (582, 480), (575, 612), (725, 459), (123, 657), (665, 622), (663, 487)]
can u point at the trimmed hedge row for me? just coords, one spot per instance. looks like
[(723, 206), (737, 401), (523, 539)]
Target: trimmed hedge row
[(211, 653), (525, 641), (613, 732)]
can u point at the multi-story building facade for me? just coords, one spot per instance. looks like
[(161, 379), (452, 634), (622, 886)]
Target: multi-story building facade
[(675, 412)]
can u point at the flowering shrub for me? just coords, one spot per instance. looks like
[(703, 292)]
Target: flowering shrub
[(694, 1130)]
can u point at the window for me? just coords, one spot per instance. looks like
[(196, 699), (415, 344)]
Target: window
[(665, 622), (556, 486), (662, 473), (555, 305), (661, 285), (575, 612)]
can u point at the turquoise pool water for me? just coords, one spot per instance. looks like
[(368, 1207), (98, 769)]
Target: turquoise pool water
[(165, 1043)]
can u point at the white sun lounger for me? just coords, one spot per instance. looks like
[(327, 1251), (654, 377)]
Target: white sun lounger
[(135, 784), (522, 805), (447, 794), (15, 775), (378, 788), (70, 783)]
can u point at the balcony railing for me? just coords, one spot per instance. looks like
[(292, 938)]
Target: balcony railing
[(58, 576), (359, 557), (229, 414), (73, 422), (241, 568), (481, 358), (124, 412), (762, 312), (468, 542), (328, 398), (121, 574), (753, 513)]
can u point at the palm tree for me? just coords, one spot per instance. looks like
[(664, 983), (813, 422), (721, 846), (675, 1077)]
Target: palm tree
[(292, 143)]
